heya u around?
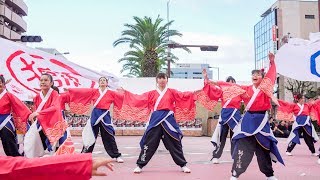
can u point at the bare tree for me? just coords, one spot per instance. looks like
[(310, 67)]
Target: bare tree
[(302, 87)]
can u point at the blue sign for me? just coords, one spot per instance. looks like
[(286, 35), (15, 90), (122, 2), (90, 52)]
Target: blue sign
[(313, 64)]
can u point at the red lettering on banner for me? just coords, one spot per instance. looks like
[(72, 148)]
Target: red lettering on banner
[(26, 69)]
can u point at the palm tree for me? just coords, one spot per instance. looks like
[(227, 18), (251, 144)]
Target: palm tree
[(148, 41), (132, 62)]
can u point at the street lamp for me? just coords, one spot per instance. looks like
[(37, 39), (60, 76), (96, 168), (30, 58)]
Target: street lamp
[(173, 45), (218, 71), (61, 53), (202, 48)]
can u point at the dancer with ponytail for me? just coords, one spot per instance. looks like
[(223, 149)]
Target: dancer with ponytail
[(48, 129)]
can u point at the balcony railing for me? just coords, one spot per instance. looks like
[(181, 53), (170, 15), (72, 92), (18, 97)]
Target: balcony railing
[(13, 18), (19, 5)]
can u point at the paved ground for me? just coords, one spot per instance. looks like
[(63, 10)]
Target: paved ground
[(301, 166)]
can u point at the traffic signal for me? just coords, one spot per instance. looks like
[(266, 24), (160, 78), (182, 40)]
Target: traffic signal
[(31, 39)]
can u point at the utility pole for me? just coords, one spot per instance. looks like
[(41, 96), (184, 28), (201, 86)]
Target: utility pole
[(168, 49)]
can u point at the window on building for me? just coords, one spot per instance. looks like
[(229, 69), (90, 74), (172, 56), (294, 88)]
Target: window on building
[(309, 16), (197, 78), (197, 72)]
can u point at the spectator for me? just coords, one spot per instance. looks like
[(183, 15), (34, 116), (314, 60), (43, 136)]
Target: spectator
[(272, 124), (283, 129)]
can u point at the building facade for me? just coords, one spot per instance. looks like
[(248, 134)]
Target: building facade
[(283, 20), (12, 24), (190, 71)]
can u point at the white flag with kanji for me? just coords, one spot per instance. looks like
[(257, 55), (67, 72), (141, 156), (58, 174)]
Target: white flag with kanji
[(24, 66)]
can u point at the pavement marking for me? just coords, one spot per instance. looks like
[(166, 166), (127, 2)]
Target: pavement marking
[(122, 154), (130, 157), (97, 152), (210, 162), (132, 147), (302, 174), (190, 153)]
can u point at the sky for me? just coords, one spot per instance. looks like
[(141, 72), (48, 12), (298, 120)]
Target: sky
[(87, 29)]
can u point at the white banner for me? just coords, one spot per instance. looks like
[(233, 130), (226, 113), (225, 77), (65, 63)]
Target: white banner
[(24, 65), (300, 59)]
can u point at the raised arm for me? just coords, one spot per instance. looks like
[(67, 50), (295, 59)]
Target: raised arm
[(212, 91), (206, 79), (269, 79)]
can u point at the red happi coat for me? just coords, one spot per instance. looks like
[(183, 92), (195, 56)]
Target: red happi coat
[(227, 92), (64, 99), (82, 99), (315, 111), (139, 107), (287, 110), (11, 104), (50, 117), (64, 167), (263, 99)]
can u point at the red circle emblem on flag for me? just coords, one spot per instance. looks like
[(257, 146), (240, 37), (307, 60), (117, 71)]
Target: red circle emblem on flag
[(26, 69)]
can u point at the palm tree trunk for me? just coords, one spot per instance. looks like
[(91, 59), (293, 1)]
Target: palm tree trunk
[(150, 64)]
